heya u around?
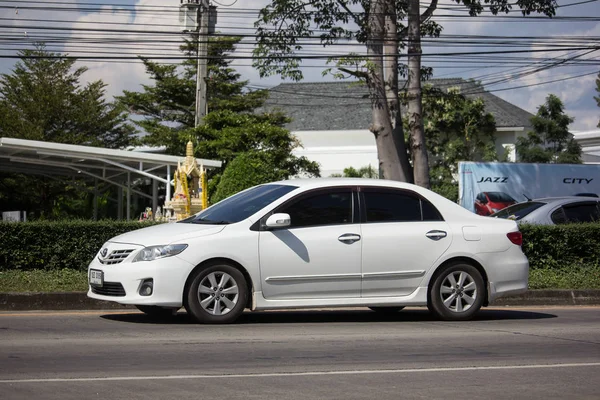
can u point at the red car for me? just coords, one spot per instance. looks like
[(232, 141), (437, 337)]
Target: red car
[(487, 203)]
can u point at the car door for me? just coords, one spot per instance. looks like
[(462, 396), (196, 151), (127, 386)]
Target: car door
[(319, 254), (403, 235)]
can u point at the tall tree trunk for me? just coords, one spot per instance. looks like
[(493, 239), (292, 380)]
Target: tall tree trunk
[(381, 126), (415, 121), (390, 63)]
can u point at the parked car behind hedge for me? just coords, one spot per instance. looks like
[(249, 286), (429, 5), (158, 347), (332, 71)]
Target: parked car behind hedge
[(553, 211)]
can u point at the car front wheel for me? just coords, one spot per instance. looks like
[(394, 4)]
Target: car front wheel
[(457, 292), (217, 294)]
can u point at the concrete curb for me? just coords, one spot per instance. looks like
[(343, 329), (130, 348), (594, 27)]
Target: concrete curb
[(552, 298), (80, 301)]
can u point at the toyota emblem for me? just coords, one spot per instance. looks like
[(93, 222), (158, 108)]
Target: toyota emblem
[(104, 252)]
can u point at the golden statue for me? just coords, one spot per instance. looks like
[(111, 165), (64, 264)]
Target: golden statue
[(189, 195)]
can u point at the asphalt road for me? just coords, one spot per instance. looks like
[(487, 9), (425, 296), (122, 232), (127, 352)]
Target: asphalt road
[(537, 353)]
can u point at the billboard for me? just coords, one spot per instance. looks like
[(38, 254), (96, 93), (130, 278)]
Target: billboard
[(485, 188)]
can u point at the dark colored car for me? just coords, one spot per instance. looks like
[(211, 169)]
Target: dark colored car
[(487, 203)]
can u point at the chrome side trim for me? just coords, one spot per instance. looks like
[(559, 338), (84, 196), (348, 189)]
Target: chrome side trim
[(312, 277), (399, 274)]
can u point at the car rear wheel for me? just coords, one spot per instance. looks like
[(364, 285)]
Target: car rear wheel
[(387, 310), (457, 292), (217, 294), (156, 311)]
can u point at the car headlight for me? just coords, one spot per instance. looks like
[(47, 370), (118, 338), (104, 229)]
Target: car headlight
[(156, 252), (495, 210)]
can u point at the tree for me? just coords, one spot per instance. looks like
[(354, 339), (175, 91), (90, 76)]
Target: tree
[(231, 127), (598, 98), (415, 22), (249, 169), (378, 24), (43, 99), (363, 172), (456, 129), (550, 140)]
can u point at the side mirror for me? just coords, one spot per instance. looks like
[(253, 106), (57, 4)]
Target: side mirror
[(278, 221)]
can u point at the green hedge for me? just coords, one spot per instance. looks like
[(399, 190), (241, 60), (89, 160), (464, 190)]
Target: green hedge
[(73, 244), (562, 246), (56, 245)]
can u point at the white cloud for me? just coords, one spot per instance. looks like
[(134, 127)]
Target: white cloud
[(128, 74)]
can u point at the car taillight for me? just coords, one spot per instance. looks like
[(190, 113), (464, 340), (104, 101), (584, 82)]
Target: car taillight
[(515, 237)]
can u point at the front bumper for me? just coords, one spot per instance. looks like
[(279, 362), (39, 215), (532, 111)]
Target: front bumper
[(168, 274)]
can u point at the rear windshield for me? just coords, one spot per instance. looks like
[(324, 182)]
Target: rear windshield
[(499, 197), (518, 211)]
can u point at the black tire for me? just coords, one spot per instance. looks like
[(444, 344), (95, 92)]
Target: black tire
[(203, 308), (458, 306), (156, 311), (387, 310)]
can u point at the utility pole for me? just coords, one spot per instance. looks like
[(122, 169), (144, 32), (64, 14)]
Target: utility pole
[(202, 72), (199, 17)]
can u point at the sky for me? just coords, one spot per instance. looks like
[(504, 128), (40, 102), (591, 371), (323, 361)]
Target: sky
[(127, 28)]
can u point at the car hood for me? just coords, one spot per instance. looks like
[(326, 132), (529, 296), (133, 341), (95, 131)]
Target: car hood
[(167, 234)]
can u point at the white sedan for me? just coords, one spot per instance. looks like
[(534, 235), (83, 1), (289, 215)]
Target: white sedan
[(316, 243)]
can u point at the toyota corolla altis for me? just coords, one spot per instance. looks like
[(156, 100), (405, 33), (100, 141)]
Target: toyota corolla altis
[(316, 243)]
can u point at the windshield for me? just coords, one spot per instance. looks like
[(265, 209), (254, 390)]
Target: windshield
[(240, 206), (518, 211), (499, 197)]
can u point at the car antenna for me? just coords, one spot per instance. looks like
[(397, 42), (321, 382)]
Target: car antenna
[(528, 199)]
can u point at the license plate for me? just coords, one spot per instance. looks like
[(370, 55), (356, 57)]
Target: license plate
[(96, 277)]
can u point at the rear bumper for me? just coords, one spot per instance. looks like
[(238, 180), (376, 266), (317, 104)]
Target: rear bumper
[(508, 273)]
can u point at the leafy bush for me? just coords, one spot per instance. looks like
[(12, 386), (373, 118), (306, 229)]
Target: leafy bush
[(562, 246), (247, 170), (56, 245)]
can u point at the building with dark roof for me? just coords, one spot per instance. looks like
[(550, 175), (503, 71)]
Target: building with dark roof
[(332, 119)]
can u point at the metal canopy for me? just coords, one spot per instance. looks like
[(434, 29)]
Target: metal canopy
[(117, 167)]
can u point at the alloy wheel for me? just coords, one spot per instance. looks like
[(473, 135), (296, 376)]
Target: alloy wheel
[(218, 293), (458, 291)]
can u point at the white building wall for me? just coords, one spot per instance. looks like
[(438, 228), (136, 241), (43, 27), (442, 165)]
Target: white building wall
[(590, 145), (336, 150)]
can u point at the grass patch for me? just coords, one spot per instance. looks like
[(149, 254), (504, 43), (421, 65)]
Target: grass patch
[(575, 277), (62, 280), (69, 280)]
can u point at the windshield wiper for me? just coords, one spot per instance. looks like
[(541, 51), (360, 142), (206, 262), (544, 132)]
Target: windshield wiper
[(209, 222)]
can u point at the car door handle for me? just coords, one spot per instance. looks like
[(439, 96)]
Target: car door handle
[(349, 238), (436, 235)]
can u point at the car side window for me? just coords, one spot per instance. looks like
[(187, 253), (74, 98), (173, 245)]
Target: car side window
[(559, 217), (331, 208), (582, 212), (390, 206), (430, 213), (481, 197)]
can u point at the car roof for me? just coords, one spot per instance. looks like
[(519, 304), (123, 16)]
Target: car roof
[(565, 199), (324, 182)]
